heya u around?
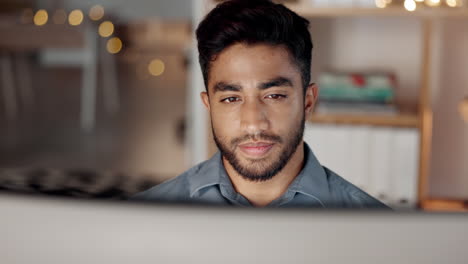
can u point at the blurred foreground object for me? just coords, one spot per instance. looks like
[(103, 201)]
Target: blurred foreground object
[(57, 231)]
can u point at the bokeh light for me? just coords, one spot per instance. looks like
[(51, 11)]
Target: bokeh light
[(380, 3), (156, 67), (60, 17), (432, 2), (41, 17), (106, 29), (76, 17), (96, 12), (410, 5), (114, 45), (452, 3)]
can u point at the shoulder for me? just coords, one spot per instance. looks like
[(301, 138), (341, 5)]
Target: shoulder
[(348, 195), (174, 190)]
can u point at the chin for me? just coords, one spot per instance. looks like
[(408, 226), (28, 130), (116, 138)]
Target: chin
[(260, 169)]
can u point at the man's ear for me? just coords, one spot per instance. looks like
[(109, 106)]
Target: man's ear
[(205, 99), (310, 98)]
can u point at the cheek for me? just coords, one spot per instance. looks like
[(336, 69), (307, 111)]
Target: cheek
[(225, 123), (284, 116)]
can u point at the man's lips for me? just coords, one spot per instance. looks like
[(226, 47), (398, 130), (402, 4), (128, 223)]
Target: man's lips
[(256, 149)]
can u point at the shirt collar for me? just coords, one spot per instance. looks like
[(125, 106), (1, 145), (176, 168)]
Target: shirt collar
[(311, 181), (210, 173)]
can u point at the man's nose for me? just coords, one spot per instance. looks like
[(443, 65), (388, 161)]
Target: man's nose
[(254, 118)]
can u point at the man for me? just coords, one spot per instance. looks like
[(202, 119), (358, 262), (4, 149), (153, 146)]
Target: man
[(256, 58)]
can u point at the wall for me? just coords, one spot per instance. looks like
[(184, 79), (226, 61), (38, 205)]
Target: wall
[(449, 166)]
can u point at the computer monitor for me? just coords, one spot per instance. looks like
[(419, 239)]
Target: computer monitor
[(44, 230)]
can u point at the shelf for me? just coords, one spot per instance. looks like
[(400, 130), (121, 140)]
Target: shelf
[(445, 205), (310, 11), (402, 120)]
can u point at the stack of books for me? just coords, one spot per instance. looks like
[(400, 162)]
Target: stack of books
[(357, 93)]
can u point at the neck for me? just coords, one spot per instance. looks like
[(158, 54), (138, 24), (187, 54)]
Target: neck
[(261, 194)]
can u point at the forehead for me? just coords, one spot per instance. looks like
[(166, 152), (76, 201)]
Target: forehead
[(242, 63)]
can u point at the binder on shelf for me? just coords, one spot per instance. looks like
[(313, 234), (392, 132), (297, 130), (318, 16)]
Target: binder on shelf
[(382, 161), (357, 154), (381, 143), (331, 146), (405, 171)]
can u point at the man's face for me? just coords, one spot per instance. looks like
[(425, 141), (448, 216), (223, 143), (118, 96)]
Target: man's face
[(257, 106)]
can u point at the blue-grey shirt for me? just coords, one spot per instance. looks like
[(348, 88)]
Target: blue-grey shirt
[(315, 186)]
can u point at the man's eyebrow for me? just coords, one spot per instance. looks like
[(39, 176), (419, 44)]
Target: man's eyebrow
[(224, 87), (276, 82)]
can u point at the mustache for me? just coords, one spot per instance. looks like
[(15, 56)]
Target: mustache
[(257, 137)]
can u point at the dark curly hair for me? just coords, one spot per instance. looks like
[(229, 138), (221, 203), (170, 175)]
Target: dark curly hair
[(254, 22)]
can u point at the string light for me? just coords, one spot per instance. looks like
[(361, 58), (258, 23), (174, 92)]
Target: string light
[(156, 67), (106, 29), (76, 17), (41, 17), (380, 3), (96, 12), (410, 5), (114, 45), (452, 3), (432, 3)]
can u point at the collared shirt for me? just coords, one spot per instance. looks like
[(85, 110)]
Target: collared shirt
[(209, 183)]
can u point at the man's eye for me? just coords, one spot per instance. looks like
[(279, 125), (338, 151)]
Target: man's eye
[(276, 96), (230, 100)]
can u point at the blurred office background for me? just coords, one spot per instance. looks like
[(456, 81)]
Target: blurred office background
[(107, 91)]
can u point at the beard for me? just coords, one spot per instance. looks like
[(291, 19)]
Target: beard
[(260, 170)]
